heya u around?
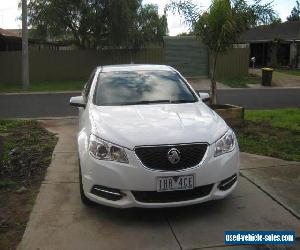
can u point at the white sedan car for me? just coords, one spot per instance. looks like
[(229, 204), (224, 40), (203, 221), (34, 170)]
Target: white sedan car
[(147, 139)]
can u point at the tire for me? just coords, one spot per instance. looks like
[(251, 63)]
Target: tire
[(85, 200)]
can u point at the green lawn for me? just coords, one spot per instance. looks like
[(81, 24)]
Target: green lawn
[(44, 86), (288, 119), (241, 82), (294, 72), (273, 133)]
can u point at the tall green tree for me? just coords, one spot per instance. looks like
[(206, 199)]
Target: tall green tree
[(295, 13), (97, 23), (185, 8), (255, 14), (65, 19), (218, 29), (142, 26)]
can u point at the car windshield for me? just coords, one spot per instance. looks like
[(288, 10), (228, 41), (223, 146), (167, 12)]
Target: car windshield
[(141, 87)]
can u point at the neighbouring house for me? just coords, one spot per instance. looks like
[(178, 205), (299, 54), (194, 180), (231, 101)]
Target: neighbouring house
[(64, 42), (12, 41), (17, 31), (9, 41), (276, 45)]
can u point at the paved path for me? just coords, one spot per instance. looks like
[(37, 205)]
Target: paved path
[(278, 178), (57, 105), (204, 83), (60, 221)]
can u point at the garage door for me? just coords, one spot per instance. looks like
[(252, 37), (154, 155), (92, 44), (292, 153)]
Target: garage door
[(186, 55)]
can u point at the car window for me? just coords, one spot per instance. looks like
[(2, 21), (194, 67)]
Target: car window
[(141, 87), (87, 87)]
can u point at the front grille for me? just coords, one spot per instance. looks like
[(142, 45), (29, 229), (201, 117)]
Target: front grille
[(156, 157), (172, 196)]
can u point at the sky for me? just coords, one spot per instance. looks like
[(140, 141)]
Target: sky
[(9, 13)]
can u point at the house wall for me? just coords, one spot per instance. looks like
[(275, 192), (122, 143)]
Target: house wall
[(295, 55), (10, 43), (272, 53), (275, 54)]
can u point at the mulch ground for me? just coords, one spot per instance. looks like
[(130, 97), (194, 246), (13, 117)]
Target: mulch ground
[(25, 155)]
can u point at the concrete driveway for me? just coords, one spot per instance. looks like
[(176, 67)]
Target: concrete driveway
[(60, 221)]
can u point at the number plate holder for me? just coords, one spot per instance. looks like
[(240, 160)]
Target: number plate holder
[(173, 183)]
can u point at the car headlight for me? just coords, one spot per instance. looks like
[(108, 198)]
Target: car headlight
[(225, 144), (104, 150)]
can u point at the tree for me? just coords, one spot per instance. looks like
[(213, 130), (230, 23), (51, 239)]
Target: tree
[(149, 26), (144, 26), (61, 18), (97, 23), (255, 14), (219, 27), (25, 63), (251, 15), (185, 8), (295, 13)]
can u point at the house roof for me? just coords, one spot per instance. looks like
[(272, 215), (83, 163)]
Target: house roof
[(17, 31), (8, 33), (288, 31)]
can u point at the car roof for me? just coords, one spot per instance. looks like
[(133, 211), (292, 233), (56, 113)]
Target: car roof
[(135, 67)]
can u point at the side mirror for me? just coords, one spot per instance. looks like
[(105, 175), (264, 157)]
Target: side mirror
[(204, 96), (77, 101)]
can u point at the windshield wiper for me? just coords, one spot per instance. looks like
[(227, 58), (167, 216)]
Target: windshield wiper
[(148, 102), (183, 101), (153, 102)]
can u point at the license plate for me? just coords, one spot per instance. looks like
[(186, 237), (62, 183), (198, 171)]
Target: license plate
[(173, 183)]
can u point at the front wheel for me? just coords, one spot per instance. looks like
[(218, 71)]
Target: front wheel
[(85, 200)]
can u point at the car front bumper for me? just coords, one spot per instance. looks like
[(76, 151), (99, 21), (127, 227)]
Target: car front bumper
[(128, 178)]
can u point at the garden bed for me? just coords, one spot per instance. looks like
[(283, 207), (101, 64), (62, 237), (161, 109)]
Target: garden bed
[(233, 115), (26, 153)]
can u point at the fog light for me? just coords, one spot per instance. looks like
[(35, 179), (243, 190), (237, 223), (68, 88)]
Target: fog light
[(227, 183), (107, 193)]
